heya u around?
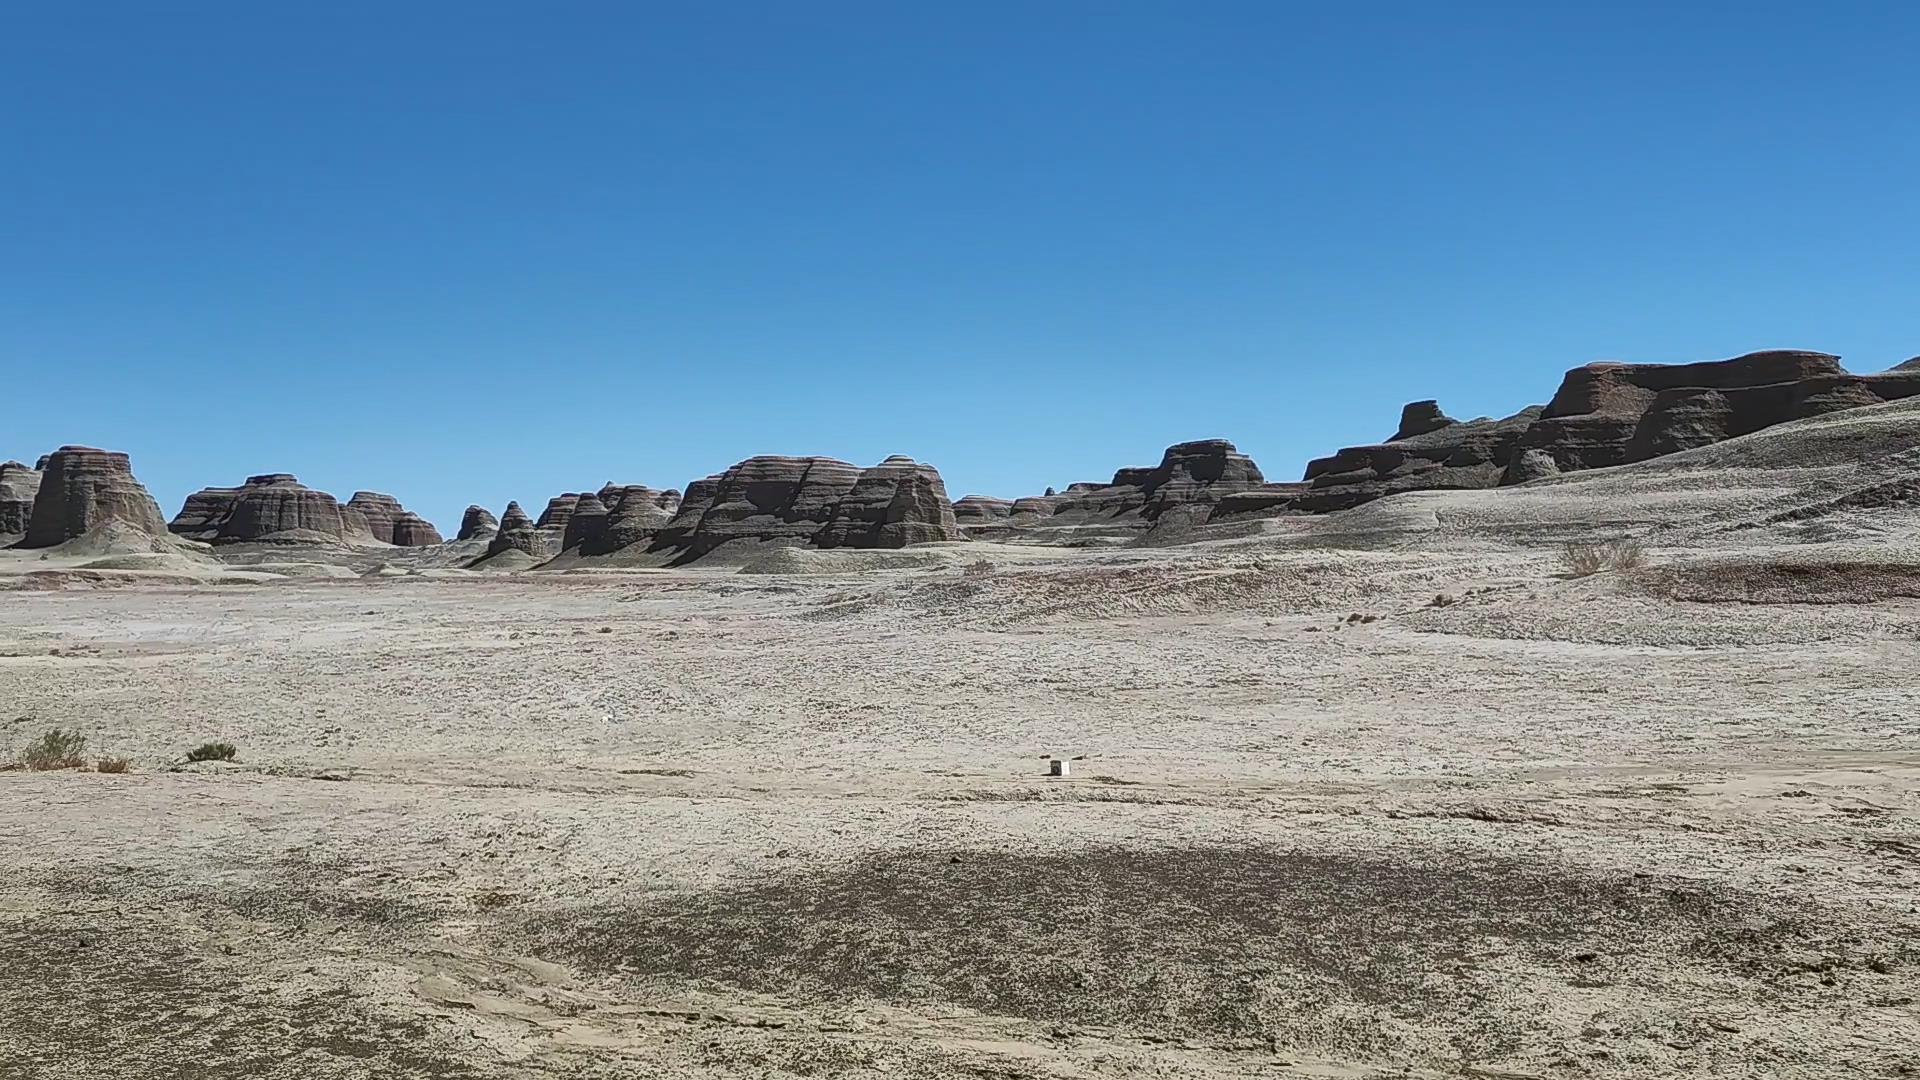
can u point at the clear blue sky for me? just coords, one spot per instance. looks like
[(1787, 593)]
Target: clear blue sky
[(477, 251)]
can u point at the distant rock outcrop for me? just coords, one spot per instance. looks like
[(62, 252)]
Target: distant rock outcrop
[(893, 504), (412, 530), (1419, 418), (1460, 454), (477, 523), (765, 499), (635, 515), (18, 485), (517, 532), (1612, 414), (1603, 414), (200, 516), (586, 522), (81, 489), (1192, 477), (552, 521), (982, 512), (278, 507)]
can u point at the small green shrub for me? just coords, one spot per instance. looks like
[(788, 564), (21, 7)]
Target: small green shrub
[(213, 751), (57, 749)]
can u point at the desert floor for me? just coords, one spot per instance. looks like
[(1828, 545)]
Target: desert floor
[(678, 824)]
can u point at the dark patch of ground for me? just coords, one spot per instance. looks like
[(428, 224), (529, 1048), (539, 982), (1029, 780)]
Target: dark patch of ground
[(1363, 954)]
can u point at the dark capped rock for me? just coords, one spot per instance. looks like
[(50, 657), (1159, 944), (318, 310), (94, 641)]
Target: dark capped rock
[(974, 511), (275, 506), (81, 489), (412, 530), (635, 514), (200, 516), (893, 504), (586, 522), (18, 485), (517, 532), (1419, 418), (1462, 454), (767, 499), (477, 522)]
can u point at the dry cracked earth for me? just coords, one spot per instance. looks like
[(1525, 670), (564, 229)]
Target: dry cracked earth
[(686, 824)]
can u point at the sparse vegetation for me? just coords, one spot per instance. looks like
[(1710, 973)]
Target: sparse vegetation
[(977, 568), (213, 751), (57, 749), (1444, 600), (1584, 559), (112, 765)]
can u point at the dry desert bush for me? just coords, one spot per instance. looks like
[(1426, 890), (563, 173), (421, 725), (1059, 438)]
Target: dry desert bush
[(213, 751), (112, 764), (57, 749), (1584, 559)]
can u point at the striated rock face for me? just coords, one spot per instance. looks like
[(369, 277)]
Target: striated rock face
[(18, 486), (476, 523), (1267, 498), (391, 523), (1192, 473), (764, 499), (1461, 454), (81, 489), (412, 530), (587, 523), (981, 511), (1611, 414), (1603, 414), (552, 521), (200, 516), (517, 532), (271, 505), (895, 503), (635, 514)]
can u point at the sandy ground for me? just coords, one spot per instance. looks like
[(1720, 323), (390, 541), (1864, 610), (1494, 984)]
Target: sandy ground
[(762, 825), (1381, 794)]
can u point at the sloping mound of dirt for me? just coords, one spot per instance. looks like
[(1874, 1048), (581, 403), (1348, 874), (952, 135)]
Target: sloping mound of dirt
[(1781, 581)]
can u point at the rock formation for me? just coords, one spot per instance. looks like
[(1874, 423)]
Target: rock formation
[(1530, 465), (1611, 414), (18, 486), (1603, 414), (1460, 454), (517, 532), (635, 515), (477, 523), (81, 489), (412, 530), (763, 499), (391, 523), (895, 503), (1420, 417), (552, 521), (1191, 473), (200, 516), (277, 507), (586, 523), (981, 512), (1194, 475)]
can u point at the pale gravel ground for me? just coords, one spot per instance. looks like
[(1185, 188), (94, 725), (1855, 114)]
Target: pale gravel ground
[(729, 825)]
